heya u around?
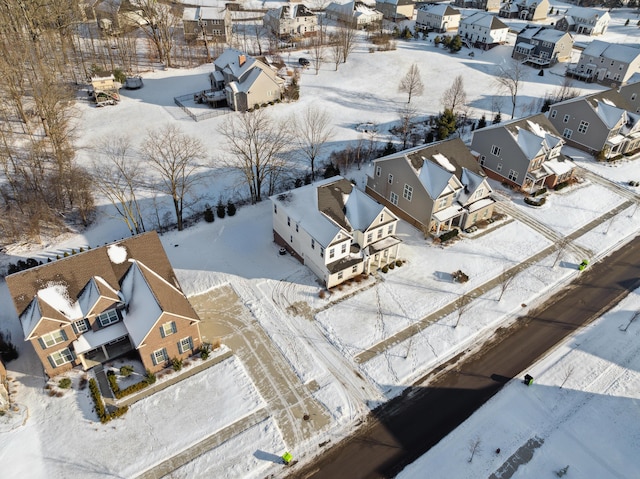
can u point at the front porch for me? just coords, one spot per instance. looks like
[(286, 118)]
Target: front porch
[(382, 253), (96, 347), (443, 220)]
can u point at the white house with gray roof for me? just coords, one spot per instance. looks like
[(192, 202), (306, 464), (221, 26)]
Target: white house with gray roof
[(483, 30), (294, 19), (607, 63), (440, 17), (355, 14), (585, 21), (335, 229)]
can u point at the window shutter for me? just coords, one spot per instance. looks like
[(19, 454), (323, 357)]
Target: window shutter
[(42, 345), (53, 364), (180, 347), (64, 334), (162, 331), (173, 327), (166, 356), (191, 343), (153, 359)]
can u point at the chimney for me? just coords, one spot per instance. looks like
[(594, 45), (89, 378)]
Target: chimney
[(241, 60)]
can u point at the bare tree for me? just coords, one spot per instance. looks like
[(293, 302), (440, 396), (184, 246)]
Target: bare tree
[(411, 83), (117, 176), (463, 305), (562, 246), (455, 98), (509, 80), (162, 23), (566, 374), (335, 47), (313, 131), (347, 38), (256, 144), (407, 114), (505, 281), (176, 157), (474, 448)]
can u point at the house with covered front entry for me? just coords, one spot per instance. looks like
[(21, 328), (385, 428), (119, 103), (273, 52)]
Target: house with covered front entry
[(607, 63), (435, 187), (335, 229), (542, 46), (584, 21), (483, 30), (291, 20), (439, 17), (93, 306), (524, 153)]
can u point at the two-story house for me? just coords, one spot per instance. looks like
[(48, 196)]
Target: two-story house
[(604, 124), (533, 10), (93, 306), (396, 9), (631, 93), (435, 187), (483, 30), (439, 17), (524, 153), (293, 19), (354, 14), (335, 229), (244, 80), (585, 21), (212, 22), (486, 5), (606, 63), (542, 46)]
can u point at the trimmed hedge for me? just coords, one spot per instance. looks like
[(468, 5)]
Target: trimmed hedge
[(448, 235), (104, 416), (120, 393), (559, 186), (538, 202)]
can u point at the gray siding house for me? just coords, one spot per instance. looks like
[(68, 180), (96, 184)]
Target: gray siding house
[(524, 153), (585, 21), (214, 22), (603, 124), (525, 9), (438, 17), (435, 188), (542, 46), (396, 9), (291, 20), (606, 63), (487, 5)]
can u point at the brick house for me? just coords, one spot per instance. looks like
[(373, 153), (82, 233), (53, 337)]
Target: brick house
[(92, 306)]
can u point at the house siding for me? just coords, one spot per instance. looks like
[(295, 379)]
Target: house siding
[(593, 141)]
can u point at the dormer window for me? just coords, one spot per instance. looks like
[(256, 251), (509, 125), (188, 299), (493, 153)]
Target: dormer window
[(81, 326), (108, 317)]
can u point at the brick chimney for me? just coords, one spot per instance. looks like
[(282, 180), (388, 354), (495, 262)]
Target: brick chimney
[(241, 60)]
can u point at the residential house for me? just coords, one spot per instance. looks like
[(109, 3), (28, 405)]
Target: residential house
[(524, 153), (604, 124), (291, 20), (113, 16), (355, 14), (244, 81), (93, 306), (486, 5), (214, 22), (435, 187), (585, 21), (533, 10), (631, 93), (542, 46), (396, 9), (483, 30), (335, 229), (440, 17), (606, 63)]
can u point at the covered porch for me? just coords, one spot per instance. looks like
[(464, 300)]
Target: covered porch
[(443, 220), (535, 179), (382, 253), (96, 347)]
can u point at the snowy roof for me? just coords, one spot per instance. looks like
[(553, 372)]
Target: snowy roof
[(440, 9), (560, 165), (435, 179), (484, 20), (230, 60), (549, 35), (92, 339), (362, 210), (471, 181), (583, 12), (204, 13), (609, 113), (612, 51)]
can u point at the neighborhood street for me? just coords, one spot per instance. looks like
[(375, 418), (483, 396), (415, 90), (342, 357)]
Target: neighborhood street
[(405, 428)]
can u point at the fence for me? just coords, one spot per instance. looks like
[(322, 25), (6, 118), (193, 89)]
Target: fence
[(183, 101)]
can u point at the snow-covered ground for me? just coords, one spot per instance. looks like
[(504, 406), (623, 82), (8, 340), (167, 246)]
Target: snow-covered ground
[(324, 341)]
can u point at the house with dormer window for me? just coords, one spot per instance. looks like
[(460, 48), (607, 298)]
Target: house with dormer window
[(525, 153), (483, 30), (585, 21), (533, 10), (542, 46), (435, 187), (335, 229), (293, 19), (607, 63), (93, 306)]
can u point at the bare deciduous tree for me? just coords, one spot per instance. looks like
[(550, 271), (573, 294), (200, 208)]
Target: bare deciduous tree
[(347, 38), (176, 157), (566, 374), (505, 281), (313, 131), (454, 98), (562, 246), (335, 48), (474, 448), (407, 115), (411, 83), (257, 144), (509, 79), (463, 305), (162, 23)]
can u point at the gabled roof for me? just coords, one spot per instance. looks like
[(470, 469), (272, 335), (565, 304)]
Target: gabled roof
[(471, 181), (230, 61), (583, 12), (484, 20), (204, 13), (610, 114), (611, 51), (440, 9)]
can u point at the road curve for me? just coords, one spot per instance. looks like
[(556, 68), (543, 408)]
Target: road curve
[(408, 426)]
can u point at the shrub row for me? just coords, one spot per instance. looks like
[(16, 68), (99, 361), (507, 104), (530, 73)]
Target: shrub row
[(104, 416), (559, 186), (538, 202), (134, 388), (541, 191), (448, 235)]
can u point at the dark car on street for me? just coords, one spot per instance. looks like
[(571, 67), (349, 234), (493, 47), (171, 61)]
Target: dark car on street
[(304, 62)]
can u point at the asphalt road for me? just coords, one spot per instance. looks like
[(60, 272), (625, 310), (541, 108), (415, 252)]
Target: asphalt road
[(407, 427)]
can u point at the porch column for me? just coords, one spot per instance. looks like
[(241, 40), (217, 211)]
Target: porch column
[(104, 350)]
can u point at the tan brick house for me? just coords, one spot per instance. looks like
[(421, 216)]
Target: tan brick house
[(90, 307)]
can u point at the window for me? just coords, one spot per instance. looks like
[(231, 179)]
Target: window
[(108, 317), (499, 167), (567, 133), (495, 150), (381, 217), (513, 175), (583, 127), (633, 97), (379, 233), (340, 275), (322, 252), (51, 339), (296, 227), (313, 243), (393, 198), (185, 345), (291, 238), (343, 248), (554, 113), (390, 229), (275, 208), (442, 203), (288, 221), (354, 268), (168, 328), (566, 119), (407, 193), (61, 357), (378, 170), (479, 193), (159, 356), (332, 252), (81, 326), (390, 180), (482, 159), (369, 237)]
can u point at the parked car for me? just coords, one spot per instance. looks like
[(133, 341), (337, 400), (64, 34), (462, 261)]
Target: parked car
[(304, 62)]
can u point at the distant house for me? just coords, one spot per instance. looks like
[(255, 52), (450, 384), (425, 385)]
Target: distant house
[(631, 93), (603, 123), (93, 306), (439, 17), (113, 16), (532, 10), (483, 30), (214, 22), (293, 19), (396, 9), (245, 81), (606, 63), (335, 229), (524, 153), (486, 5), (435, 187), (542, 46), (355, 14), (585, 21)]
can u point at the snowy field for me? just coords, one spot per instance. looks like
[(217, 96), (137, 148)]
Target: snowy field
[(322, 344)]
